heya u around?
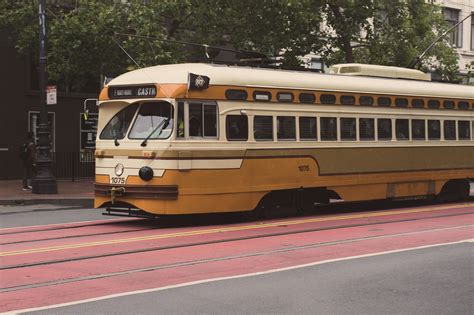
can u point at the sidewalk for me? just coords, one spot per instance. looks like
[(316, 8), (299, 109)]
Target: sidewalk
[(77, 193)]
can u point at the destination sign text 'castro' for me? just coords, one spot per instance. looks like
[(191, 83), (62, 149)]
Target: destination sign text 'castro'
[(132, 91)]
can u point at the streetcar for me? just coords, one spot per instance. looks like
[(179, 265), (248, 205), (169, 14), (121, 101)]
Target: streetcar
[(208, 138)]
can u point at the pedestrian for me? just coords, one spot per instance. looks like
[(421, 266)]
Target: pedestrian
[(28, 155)]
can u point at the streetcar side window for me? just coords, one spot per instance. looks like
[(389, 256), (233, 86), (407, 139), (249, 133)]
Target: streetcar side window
[(448, 104), (366, 100), (347, 100), (308, 129), (401, 129), (401, 102), (417, 103), (449, 130), (384, 101), (286, 128), (384, 129), (181, 122), (263, 128), (464, 131), (328, 99), (418, 129), (117, 127), (366, 129), (202, 120), (237, 127), (463, 105), (328, 128), (434, 130), (348, 129)]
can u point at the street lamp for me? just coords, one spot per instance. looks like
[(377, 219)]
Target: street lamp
[(44, 181)]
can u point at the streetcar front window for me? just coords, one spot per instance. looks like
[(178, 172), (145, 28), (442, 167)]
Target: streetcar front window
[(154, 121), (117, 127)]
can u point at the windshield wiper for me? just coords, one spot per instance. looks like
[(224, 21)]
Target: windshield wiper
[(163, 124), (116, 141)]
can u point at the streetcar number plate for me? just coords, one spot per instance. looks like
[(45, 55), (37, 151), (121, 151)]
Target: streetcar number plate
[(117, 180)]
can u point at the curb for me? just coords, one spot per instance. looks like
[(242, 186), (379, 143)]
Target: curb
[(82, 202)]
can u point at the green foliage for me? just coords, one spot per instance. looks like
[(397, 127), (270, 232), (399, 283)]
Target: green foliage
[(81, 44)]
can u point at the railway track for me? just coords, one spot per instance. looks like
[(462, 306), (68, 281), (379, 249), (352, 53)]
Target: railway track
[(105, 253)]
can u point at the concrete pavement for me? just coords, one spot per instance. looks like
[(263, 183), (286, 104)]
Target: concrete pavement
[(77, 193)]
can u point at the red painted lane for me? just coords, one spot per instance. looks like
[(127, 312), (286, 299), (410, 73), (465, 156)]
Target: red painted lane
[(75, 231), (97, 266), (145, 280), (170, 240), (33, 228)]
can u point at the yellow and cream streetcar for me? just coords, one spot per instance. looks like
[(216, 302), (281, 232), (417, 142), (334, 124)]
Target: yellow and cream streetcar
[(204, 138)]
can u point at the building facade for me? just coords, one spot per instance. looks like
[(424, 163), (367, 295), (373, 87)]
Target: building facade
[(462, 38), (71, 135)]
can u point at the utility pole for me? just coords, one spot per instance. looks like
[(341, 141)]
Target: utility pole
[(44, 181)]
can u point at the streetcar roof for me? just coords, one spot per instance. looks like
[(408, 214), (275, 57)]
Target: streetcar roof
[(226, 75)]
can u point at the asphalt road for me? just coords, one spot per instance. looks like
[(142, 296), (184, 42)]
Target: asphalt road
[(436, 280)]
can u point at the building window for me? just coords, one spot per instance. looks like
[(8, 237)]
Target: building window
[(472, 31), (308, 128), (237, 127), (328, 128), (286, 128), (263, 127), (452, 18)]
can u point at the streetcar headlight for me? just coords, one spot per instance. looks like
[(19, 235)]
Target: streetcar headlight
[(145, 173), (119, 169)]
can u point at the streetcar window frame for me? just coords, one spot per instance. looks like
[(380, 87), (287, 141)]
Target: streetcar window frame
[(286, 128), (307, 98), (236, 94), (451, 129), (434, 133), (308, 127), (464, 130), (327, 99), (187, 120), (269, 127), (366, 129), (384, 101), (418, 103), (434, 104), (464, 105), (133, 110), (384, 134), (418, 129), (347, 99), (448, 104), (401, 102), (285, 97), (348, 128), (241, 130), (402, 129), (262, 96), (326, 134), (138, 122), (366, 100)]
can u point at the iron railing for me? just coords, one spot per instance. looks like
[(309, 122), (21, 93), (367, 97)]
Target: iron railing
[(74, 165)]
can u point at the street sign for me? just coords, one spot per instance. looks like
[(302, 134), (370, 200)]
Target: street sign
[(51, 95)]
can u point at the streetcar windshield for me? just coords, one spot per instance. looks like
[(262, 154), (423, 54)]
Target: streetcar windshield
[(117, 127), (150, 122)]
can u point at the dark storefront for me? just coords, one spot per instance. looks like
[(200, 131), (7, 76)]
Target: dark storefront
[(72, 137)]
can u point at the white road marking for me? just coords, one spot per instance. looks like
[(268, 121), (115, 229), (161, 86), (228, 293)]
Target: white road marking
[(233, 277)]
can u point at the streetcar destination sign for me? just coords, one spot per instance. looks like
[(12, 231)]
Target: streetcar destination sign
[(132, 91)]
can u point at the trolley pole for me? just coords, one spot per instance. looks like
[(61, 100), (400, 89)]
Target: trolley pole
[(44, 181)]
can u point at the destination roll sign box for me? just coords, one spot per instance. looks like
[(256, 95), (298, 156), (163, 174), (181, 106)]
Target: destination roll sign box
[(138, 91)]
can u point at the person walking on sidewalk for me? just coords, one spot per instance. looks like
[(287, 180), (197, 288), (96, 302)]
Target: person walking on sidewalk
[(28, 155)]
